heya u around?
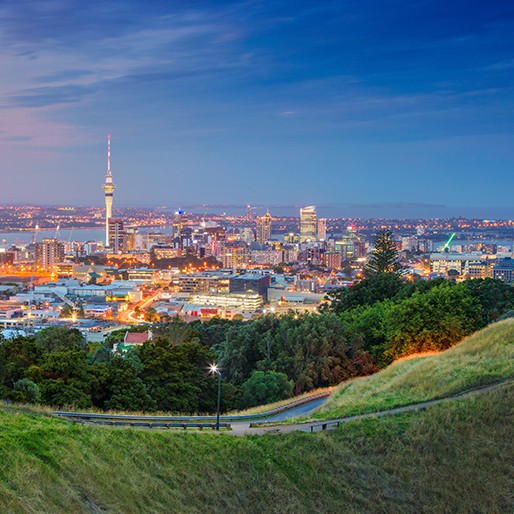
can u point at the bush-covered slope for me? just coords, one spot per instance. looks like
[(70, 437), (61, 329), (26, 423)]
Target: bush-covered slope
[(485, 357), (450, 457)]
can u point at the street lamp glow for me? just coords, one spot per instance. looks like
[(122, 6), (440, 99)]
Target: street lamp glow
[(214, 368)]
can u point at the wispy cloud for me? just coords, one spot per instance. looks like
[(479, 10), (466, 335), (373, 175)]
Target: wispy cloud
[(50, 64), (50, 95)]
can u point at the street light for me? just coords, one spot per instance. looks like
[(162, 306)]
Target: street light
[(215, 369)]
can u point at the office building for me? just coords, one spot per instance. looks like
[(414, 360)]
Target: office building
[(251, 283), (248, 302), (308, 224), (180, 222), (504, 270), (444, 263)]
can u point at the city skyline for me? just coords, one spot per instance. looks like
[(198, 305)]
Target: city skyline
[(368, 106)]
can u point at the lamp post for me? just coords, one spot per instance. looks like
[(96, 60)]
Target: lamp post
[(215, 369)]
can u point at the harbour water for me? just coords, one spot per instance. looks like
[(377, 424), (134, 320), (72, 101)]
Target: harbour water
[(79, 234)]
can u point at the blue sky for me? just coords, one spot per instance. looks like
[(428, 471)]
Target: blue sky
[(328, 102)]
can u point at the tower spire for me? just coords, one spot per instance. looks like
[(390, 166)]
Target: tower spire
[(108, 189), (109, 174)]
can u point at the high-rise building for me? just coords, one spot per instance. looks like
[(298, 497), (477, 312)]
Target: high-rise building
[(235, 255), (264, 228), (48, 253), (322, 229), (180, 222), (116, 235), (308, 224), (108, 188)]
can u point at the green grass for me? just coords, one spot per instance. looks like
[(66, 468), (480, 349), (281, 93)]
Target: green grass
[(483, 358), (452, 457)]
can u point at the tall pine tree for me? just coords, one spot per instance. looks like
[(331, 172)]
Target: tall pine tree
[(384, 256)]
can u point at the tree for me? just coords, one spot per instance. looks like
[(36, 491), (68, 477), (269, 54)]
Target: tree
[(53, 338), (384, 256), (176, 375), (494, 296), (433, 321), (265, 387), (27, 391), (66, 311), (178, 332), (16, 357), (125, 389), (376, 288), (151, 315)]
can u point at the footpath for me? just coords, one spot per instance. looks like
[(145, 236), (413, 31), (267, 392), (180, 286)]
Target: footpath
[(239, 429)]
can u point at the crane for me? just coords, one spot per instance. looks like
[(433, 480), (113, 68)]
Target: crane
[(447, 245)]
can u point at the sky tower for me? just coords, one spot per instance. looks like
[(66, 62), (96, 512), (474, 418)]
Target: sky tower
[(108, 188)]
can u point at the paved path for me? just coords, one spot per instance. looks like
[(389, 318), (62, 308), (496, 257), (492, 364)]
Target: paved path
[(239, 429)]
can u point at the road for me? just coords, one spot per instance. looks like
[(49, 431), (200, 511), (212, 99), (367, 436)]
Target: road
[(297, 412), (130, 317), (294, 409)]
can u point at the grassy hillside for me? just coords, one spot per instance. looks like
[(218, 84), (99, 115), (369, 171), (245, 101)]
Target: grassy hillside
[(452, 456), (485, 357)]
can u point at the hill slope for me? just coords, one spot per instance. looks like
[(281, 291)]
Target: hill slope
[(450, 455), (485, 357)]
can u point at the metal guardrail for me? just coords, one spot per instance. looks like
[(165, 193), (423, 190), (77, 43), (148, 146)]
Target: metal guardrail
[(327, 425), (143, 424), (87, 416)]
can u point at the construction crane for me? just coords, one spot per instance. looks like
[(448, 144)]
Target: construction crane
[(447, 245)]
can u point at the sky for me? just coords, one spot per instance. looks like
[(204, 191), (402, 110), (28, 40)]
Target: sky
[(371, 105)]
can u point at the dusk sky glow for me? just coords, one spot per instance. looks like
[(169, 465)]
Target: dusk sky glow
[(326, 102)]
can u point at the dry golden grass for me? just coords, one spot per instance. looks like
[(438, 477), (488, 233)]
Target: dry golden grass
[(485, 357)]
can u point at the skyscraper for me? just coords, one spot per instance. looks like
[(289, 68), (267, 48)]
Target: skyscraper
[(180, 222), (108, 188), (264, 228), (308, 224)]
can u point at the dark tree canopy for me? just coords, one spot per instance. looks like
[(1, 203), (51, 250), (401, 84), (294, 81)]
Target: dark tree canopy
[(362, 329), (376, 288)]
